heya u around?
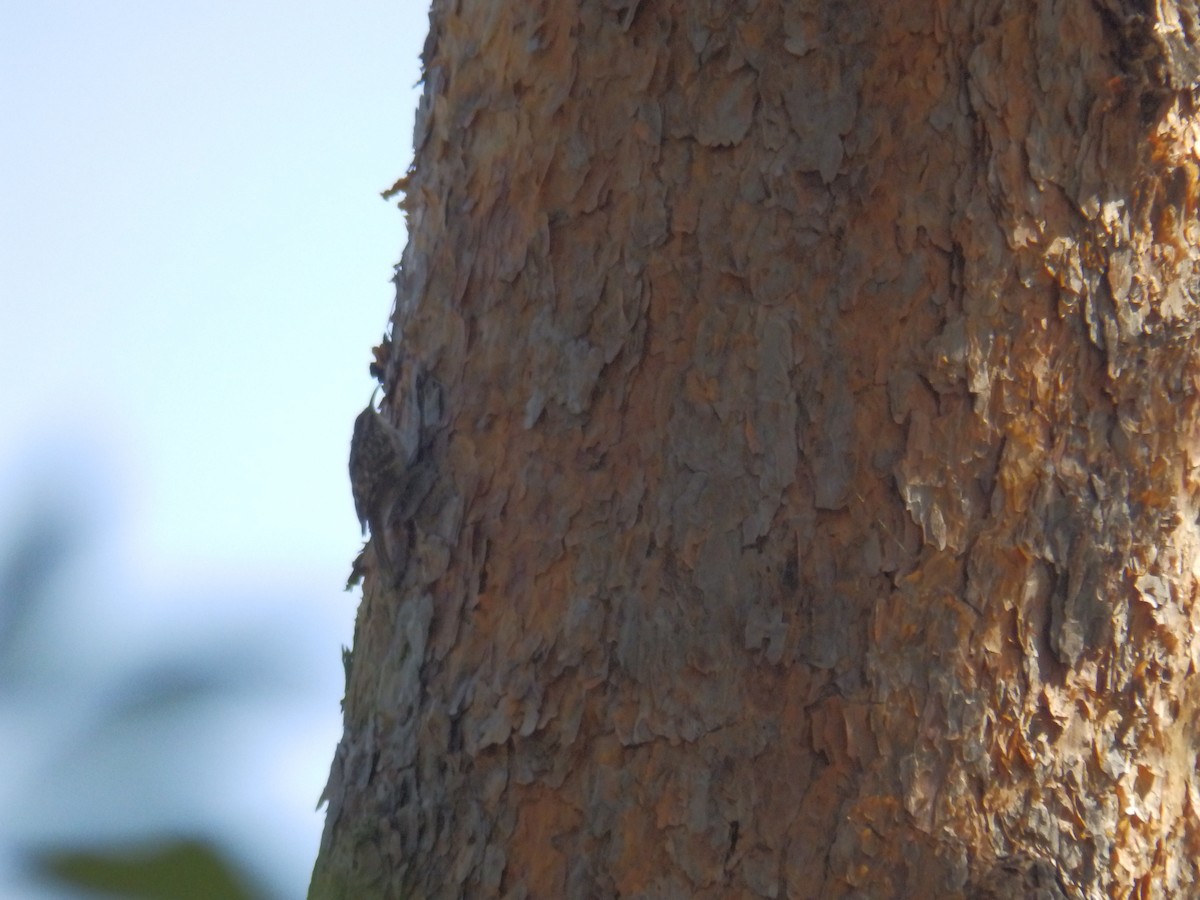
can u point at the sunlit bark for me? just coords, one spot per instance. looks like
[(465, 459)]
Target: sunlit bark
[(804, 396)]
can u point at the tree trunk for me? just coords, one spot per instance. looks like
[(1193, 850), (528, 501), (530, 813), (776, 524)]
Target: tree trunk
[(797, 403)]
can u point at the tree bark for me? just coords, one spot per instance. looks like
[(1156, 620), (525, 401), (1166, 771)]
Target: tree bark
[(803, 398)]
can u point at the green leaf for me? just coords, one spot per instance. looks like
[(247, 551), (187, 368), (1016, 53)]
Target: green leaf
[(183, 869)]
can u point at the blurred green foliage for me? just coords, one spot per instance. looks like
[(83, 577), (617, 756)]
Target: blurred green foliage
[(135, 707), (184, 868)]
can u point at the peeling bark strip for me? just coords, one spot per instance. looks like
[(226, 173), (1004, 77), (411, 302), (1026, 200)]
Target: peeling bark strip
[(814, 497)]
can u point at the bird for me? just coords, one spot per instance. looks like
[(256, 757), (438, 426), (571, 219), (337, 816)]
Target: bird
[(378, 472)]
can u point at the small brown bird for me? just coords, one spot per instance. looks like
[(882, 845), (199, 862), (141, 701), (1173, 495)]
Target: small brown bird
[(377, 474)]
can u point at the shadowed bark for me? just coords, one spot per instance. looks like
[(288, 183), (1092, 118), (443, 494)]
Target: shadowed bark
[(804, 399)]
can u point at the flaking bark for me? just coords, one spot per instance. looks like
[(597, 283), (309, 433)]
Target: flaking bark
[(813, 506)]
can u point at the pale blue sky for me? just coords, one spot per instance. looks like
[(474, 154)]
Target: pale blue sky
[(194, 265)]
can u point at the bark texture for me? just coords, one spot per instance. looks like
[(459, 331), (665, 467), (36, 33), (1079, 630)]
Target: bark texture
[(804, 397)]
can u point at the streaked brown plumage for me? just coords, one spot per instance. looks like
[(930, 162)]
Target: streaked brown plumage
[(377, 474)]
